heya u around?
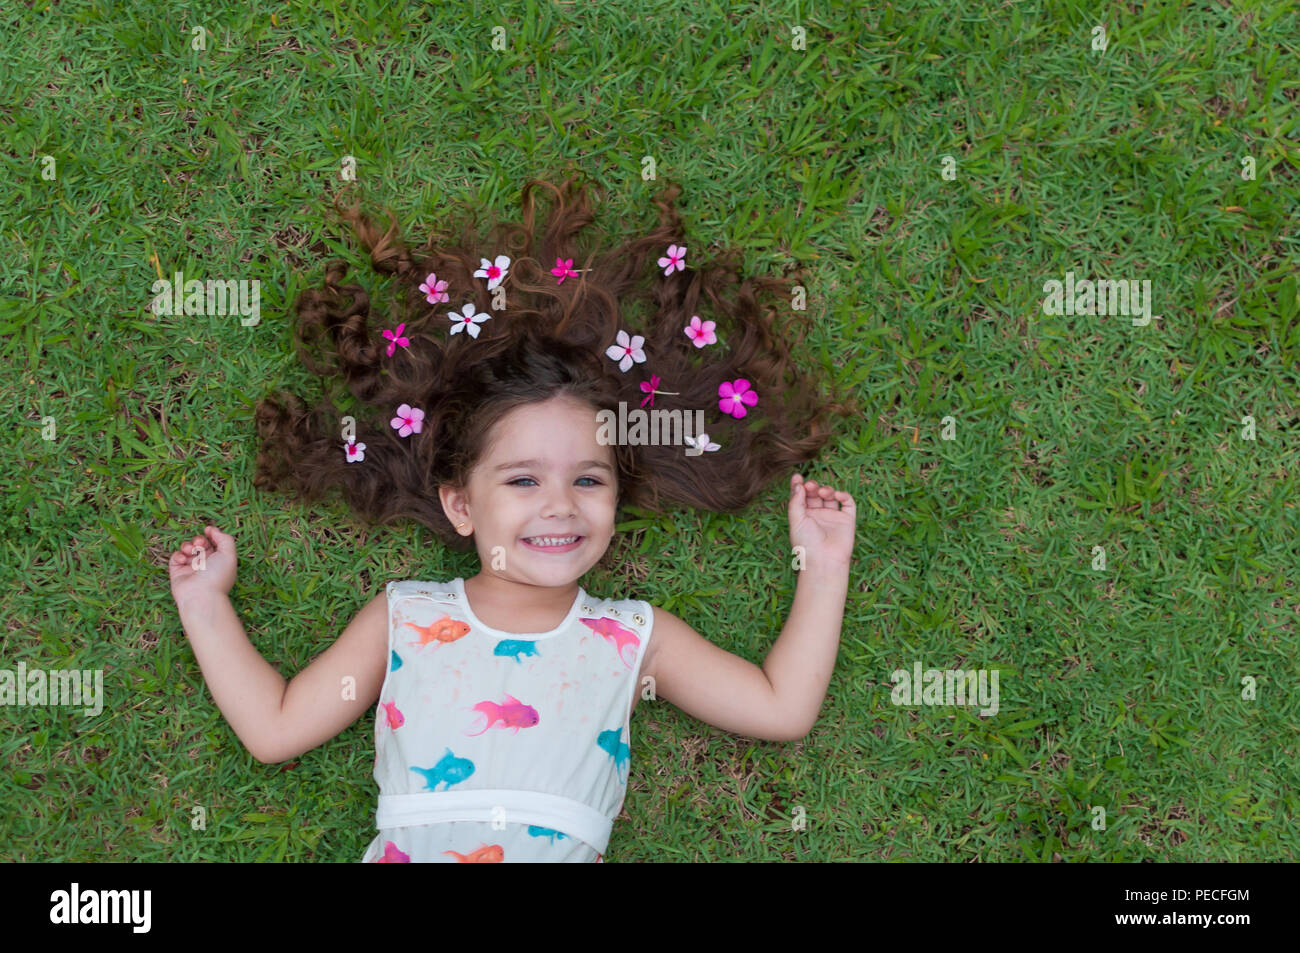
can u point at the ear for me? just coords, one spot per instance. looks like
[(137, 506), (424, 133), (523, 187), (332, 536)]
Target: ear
[(454, 506)]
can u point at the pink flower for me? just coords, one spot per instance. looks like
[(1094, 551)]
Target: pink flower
[(701, 334), (676, 259), (356, 452), (736, 396), (467, 320), (563, 269), (494, 272), (409, 420), (626, 351), (434, 290), (396, 338)]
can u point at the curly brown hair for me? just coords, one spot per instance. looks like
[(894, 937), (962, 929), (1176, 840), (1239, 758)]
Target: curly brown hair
[(549, 340)]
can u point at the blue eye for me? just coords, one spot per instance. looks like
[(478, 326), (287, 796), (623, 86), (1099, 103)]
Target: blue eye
[(515, 481)]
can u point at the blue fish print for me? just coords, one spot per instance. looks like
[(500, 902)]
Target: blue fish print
[(396, 663), (449, 769), (516, 648), (535, 831), (610, 743)]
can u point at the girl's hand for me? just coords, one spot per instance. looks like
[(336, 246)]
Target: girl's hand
[(822, 521), (219, 565)]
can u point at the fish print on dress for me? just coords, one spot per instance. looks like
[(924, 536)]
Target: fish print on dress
[(554, 835), (512, 713), (487, 854), (625, 641), (395, 718), (612, 744), (443, 630), (392, 855), (513, 648), (396, 662), (449, 768)]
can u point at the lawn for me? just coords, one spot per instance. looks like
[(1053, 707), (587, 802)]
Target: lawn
[(1099, 507)]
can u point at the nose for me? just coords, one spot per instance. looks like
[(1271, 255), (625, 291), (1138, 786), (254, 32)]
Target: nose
[(559, 502)]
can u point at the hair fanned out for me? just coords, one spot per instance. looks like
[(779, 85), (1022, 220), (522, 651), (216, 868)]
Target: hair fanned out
[(550, 339)]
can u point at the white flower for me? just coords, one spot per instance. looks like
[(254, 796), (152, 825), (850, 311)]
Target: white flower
[(356, 452), (699, 444), (467, 320), (626, 351), (494, 272)]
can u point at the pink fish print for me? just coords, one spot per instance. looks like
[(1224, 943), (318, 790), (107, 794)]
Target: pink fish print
[(625, 641), (513, 714), (392, 855), (445, 629), (395, 718)]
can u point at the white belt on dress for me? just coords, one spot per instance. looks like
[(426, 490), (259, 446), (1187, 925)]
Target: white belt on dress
[(521, 807)]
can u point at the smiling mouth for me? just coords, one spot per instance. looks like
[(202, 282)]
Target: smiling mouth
[(552, 543)]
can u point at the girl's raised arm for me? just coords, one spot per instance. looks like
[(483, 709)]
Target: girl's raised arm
[(275, 721)]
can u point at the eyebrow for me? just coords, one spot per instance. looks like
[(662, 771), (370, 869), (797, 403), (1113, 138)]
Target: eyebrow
[(530, 464)]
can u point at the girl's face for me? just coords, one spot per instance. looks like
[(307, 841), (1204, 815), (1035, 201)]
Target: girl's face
[(543, 475)]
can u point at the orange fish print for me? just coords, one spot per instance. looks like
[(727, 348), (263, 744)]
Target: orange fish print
[(445, 629), (490, 854)]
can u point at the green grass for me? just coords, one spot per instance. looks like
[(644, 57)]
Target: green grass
[(1120, 687)]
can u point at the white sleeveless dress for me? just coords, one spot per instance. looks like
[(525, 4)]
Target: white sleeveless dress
[(494, 746)]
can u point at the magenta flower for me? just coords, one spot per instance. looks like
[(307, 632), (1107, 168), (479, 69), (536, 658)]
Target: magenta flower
[(356, 452), (396, 338), (701, 334), (434, 290), (563, 269), (409, 420), (736, 396), (649, 388), (676, 259)]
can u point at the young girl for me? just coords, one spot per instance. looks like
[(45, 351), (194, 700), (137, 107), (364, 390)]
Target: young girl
[(502, 727)]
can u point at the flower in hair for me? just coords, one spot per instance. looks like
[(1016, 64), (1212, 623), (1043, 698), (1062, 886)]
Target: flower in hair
[(494, 272), (649, 388), (434, 290), (736, 396), (701, 334), (409, 420), (396, 338), (563, 269), (676, 259), (699, 445), (626, 351), (467, 320), (356, 452)]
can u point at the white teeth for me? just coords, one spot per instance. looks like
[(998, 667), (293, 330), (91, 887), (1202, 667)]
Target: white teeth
[(551, 540)]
